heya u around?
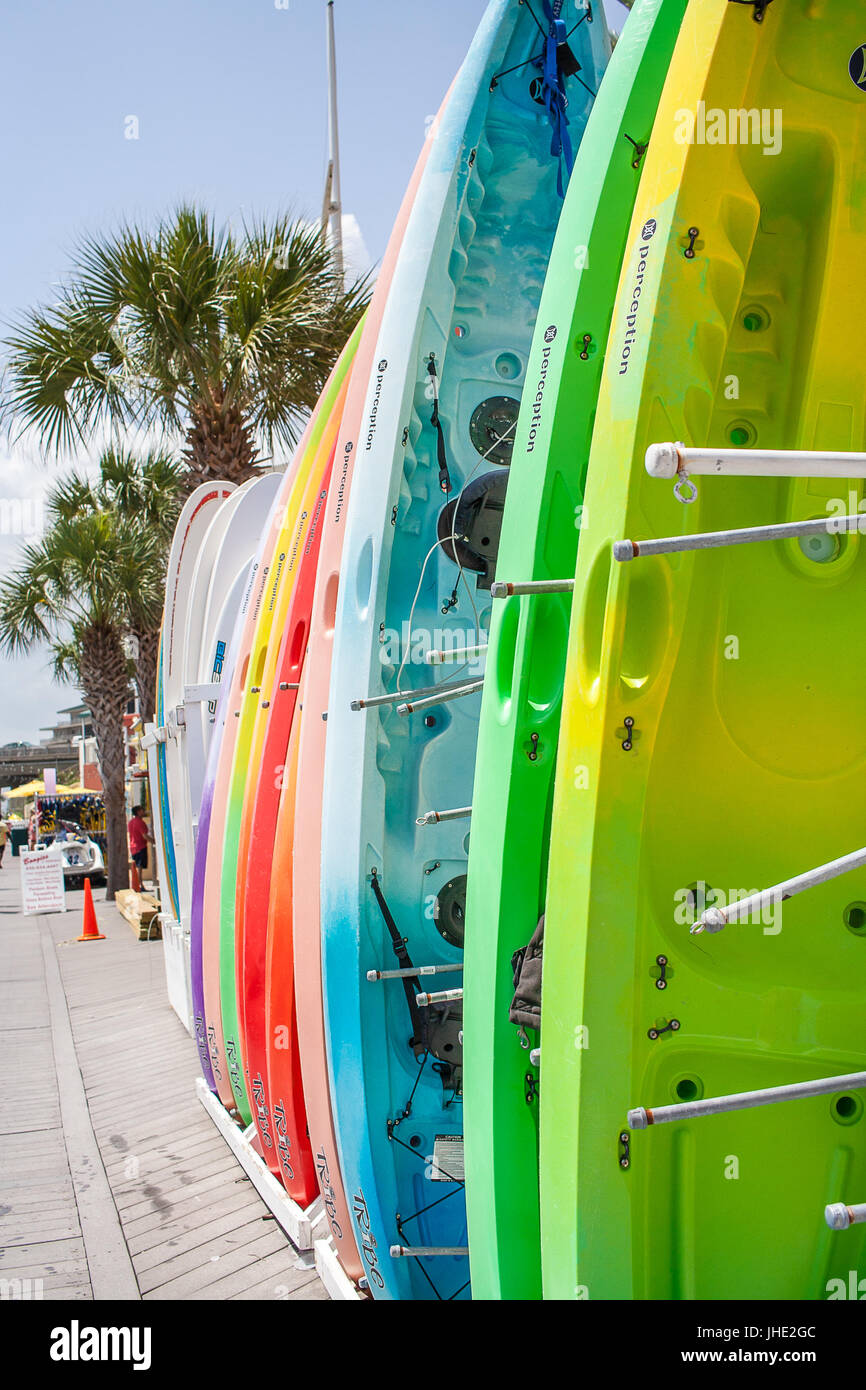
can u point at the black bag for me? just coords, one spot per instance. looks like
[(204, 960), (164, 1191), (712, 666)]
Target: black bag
[(525, 1008)]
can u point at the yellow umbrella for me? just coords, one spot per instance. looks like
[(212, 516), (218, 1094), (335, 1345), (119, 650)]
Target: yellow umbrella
[(31, 789), (27, 792)]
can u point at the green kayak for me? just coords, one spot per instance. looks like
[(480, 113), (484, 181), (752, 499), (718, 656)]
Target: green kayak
[(527, 650), (703, 1051)]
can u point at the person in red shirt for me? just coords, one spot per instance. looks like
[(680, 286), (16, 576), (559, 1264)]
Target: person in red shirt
[(139, 834)]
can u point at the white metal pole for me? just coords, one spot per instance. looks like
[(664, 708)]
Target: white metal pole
[(839, 1216), (336, 206), (412, 971), (454, 693), (672, 460), (434, 817), (420, 1252), (440, 996), (400, 696), (642, 1118), (440, 656), (714, 540), (505, 588), (717, 917)]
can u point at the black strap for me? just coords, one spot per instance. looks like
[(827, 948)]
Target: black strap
[(441, 456), (409, 982)]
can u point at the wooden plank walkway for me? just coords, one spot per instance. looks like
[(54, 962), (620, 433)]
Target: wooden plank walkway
[(114, 1182)]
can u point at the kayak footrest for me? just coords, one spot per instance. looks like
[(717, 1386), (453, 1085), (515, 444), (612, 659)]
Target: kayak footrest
[(642, 1118)]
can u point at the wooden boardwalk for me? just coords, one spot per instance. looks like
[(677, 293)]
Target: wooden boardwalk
[(114, 1183)]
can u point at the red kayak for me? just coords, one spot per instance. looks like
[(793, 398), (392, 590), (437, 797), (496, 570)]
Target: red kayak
[(280, 1119)]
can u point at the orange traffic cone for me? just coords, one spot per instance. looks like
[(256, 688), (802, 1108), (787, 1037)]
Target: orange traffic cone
[(90, 932), (134, 879)]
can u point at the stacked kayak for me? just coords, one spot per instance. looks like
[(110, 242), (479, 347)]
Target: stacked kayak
[(168, 788), (418, 557), (507, 751), (710, 745), (527, 648)]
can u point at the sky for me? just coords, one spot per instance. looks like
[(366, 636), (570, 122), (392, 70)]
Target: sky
[(230, 105)]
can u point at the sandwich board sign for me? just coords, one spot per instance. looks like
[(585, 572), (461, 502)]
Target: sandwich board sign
[(42, 886)]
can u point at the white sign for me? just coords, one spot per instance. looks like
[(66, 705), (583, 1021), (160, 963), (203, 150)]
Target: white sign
[(49, 779), (42, 886)]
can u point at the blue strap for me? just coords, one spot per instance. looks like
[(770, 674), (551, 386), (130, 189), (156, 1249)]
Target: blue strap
[(553, 88)]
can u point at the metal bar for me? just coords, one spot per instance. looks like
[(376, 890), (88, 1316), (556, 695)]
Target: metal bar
[(335, 207), (441, 996), (434, 817), (712, 540), (407, 974), (439, 657), (373, 700), (535, 1056), (839, 1217), (455, 693), (641, 1118), (418, 1252), (672, 460), (717, 917), (505, 588)]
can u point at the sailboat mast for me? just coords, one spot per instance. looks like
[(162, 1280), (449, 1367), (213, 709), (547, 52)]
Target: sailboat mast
[(333, 202)]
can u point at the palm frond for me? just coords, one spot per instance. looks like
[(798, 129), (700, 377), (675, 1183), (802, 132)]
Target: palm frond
[(185, 327)]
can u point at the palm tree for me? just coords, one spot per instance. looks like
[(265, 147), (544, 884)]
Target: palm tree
[(71, 590), (225, 338), (149, 490)]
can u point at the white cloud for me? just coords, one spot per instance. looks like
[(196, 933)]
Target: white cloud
[(355, 254)]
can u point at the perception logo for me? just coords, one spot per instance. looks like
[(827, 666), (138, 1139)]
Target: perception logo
[(550, 333), (649, 229), (857, 67), (383, 364)]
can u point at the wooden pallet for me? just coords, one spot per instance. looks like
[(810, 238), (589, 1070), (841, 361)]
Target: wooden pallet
[(141, 912)]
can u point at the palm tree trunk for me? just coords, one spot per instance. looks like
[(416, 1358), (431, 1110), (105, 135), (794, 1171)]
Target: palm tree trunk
[(220, 446), (145, 672), (105, 681)]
